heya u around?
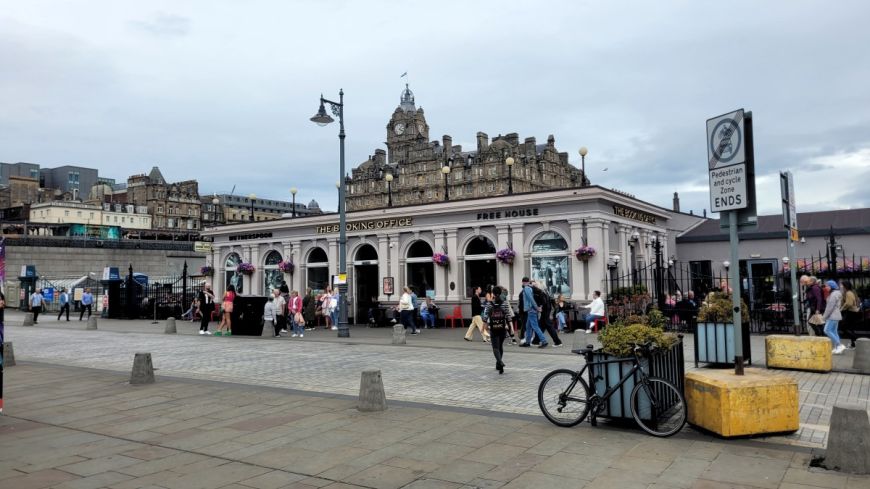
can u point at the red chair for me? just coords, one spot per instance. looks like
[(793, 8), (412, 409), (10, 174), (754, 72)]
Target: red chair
[(456, 314), (601, 320)]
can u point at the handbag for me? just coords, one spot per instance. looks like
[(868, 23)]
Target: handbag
[(816, 320)]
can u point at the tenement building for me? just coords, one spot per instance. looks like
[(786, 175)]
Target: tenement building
[(423, 171), (174, 207)]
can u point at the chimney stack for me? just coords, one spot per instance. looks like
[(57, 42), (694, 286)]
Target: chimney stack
[(482, 142), (676, 202), (448, 144)]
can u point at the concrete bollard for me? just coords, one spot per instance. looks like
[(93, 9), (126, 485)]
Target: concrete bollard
[(8, 355), (861, 361), (371, 392), (849, 440), (143, 370), (170, 326), (92, 323), (399, 335), (28, 319)]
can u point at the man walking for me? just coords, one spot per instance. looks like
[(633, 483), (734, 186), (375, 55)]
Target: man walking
[(64, 304), (206, 307), (545, 302), (36, 301), (498, 314), (533, 311), (87, 303)]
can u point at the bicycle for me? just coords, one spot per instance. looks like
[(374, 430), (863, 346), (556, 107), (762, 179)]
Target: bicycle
[(657, 406)]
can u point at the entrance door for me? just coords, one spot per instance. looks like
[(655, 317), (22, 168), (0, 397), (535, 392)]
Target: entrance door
[(762, 282), (366, 291)]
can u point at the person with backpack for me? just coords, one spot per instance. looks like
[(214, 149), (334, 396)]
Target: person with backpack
[(533, 311), (498, 315), (546, 302)]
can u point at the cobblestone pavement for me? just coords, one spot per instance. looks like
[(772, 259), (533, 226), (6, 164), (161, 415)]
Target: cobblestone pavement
[(73, 428), (437, 367)]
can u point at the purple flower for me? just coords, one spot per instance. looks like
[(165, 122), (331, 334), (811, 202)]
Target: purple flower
[(246, 268), (286, 266), (584, 252), (206, 270), (506, 255), (441, 259)]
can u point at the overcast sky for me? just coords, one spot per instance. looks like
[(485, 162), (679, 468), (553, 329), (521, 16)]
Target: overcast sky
[(221, 91)]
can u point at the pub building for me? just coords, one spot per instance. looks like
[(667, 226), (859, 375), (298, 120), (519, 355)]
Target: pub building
[(390, 247)]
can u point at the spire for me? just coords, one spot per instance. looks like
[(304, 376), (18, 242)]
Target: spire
[(407, 101)]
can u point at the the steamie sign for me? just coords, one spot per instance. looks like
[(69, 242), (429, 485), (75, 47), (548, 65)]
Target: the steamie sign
[(371, 225)]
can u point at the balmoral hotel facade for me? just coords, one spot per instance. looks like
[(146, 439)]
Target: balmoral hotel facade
[(396, 224)]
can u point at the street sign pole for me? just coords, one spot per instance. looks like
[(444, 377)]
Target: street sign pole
[(794, 286), (789, 217), (734, 278)]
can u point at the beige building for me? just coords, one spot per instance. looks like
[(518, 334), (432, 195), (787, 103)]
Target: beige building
[(421, 171), (67, 212), (174, 207)]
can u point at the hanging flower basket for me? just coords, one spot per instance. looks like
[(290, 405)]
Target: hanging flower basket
[(584, 253), (286, 266), (206, 270), (441, 259), (246, 268), (506, 255)]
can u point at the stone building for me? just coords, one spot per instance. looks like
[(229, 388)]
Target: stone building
[(174, 207), (417, 166), (232, 209)]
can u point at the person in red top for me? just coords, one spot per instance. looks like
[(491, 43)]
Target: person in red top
[(297, 321), (226, 323)]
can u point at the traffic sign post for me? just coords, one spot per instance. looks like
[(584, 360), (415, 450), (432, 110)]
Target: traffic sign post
[(731, 168), (789, 216)]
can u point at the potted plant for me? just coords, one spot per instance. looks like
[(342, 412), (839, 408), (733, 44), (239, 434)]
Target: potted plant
[(441, 259), (618, 341), (506, 256), (246, 268), (286, 266), (584, 252), (714, 332), (206, 270)]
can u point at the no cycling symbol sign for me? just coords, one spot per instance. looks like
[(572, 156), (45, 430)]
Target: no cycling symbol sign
[(727, 162)]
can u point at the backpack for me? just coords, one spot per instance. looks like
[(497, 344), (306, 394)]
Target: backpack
[(497, 318)]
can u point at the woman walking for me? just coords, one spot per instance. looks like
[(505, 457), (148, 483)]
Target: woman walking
[(498, 316), (309, 309), (477, 304), (325, 301), (226, 324), (832, 316), (406, 309), (270, 318), (851, 311)]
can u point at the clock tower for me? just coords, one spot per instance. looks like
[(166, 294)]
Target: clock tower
[(407, 129)]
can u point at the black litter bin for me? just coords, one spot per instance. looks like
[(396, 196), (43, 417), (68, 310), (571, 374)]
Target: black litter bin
[(248, 315)]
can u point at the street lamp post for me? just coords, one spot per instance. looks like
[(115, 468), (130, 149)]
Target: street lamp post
[(251, 197), (510, 164), (583, 153), (446, 171), (215, 202), (293, 193), (389, 179), (322, 119)]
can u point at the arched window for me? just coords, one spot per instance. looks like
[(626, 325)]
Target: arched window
[(272, 276), (318, 270), (366, 252), (551, 263), (419, 269), (481, 268), (231, 272)]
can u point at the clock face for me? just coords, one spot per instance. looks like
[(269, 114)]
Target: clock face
[(421, 128), (399, 128)]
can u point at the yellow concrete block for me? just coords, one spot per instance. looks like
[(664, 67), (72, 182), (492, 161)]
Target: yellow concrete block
[(811, 353), (756, 403)]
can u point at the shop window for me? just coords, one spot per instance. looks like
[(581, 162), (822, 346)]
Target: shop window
[(551, 263), (420, 270), (318, 270), (481, 267), (272, 277), (231, 271)]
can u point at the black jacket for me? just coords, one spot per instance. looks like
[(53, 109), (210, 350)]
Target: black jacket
[(203, 305), (476, 308)]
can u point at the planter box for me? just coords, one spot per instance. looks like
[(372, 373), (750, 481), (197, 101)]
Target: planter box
[(666, 365), (714, 343)]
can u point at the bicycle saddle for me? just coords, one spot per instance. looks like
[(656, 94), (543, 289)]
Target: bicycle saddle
[(584, 351)]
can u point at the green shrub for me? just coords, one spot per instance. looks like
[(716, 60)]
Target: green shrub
[(656, 319), (717, 308), (629, 291), (619, 340)]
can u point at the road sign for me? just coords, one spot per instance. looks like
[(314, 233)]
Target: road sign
[(728, 189), (789, 207), (726, 140)]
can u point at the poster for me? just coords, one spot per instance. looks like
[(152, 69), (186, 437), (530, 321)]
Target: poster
[(388, 286), (551, 274)]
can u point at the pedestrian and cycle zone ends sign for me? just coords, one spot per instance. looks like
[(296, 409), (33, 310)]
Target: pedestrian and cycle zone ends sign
[(726, 150)]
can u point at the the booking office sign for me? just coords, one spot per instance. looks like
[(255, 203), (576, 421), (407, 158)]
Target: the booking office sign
[(726, 154), (370, 225)]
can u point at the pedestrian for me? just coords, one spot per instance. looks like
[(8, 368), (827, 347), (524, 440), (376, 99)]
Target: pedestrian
[(406, 309), (476, 317), (851, 311), (191, 311), (86, 303), (815, 303), (334, 308), (269, 315), (36, 303), (498, 316), (325, 301), (511, 331), (225, 327), (428, 313), (206, 307), (545, 322), (64, 304), (280, 313), (596, 310), (832, 316), (2, 323), (560, 313), (309, 309), (414, 305), (533, 310), (298, 321)]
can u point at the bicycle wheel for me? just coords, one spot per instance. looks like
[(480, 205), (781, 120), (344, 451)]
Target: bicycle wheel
[(563, 397), (658, 407)]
